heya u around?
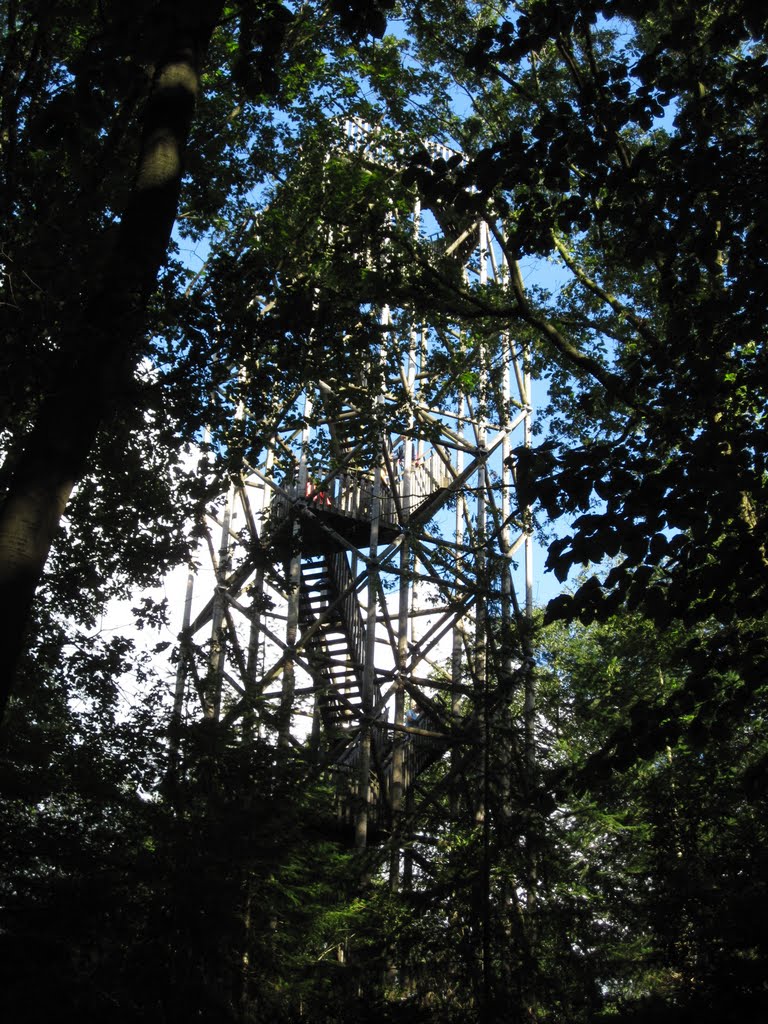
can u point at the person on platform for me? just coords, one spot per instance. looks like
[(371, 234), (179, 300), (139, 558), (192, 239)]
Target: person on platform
[(413, 716)]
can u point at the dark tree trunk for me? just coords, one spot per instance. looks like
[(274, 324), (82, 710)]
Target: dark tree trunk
[(105, 339)]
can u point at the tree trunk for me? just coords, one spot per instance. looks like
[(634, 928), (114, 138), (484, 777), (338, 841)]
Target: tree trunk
[(105, 339)]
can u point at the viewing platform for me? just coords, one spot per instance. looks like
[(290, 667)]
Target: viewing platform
[(342, 506)]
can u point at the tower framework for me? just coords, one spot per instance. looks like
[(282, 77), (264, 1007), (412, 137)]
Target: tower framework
[(349, 582)]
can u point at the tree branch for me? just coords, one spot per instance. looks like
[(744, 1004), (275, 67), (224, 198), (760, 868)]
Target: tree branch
[(611, 382), (616, 305)]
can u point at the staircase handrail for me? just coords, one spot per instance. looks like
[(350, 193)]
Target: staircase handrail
[(350, 609), (352, 616)]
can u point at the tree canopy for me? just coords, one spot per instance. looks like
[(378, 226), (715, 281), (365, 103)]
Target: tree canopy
[(604, 857), (625, 142)]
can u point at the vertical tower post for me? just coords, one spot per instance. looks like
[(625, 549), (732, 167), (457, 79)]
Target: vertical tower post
[(294, 587)]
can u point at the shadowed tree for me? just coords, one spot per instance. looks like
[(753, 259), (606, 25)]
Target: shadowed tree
[(99, 143)]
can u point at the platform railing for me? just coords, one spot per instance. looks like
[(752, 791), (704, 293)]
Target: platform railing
[(428, 476), (351, 494)]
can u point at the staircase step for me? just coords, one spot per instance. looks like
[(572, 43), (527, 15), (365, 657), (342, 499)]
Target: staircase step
[(341, 714), (330, 651)]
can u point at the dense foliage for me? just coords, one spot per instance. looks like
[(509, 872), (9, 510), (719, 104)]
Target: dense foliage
[(626, 143), (603, 858)]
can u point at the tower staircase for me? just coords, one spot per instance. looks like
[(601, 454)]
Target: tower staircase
[(324, 509), (336, 653), (336, 657)]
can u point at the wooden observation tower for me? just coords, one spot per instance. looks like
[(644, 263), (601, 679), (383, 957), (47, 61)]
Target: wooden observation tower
[(354, 569)]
